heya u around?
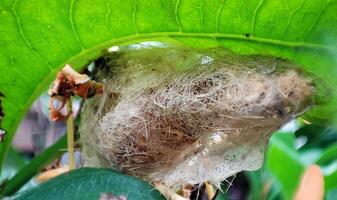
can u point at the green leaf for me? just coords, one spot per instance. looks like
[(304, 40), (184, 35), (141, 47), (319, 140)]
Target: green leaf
[(329, 155), (262, 185), (318, 136), (90, 183), (330, 181), (38, 37), (26, 172), (256, 182), (12, 164), (328, 163), (284, 162)]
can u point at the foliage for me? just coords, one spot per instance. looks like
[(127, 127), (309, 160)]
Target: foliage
[(91, 183), (26, 172), (39, 37), (285, 163)]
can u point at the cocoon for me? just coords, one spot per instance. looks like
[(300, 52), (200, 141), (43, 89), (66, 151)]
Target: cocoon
[(178, 116)]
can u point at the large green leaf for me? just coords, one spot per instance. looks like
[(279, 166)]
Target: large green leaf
[(90, 183), (38, 37)]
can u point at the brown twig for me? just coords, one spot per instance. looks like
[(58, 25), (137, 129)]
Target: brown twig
[(70, 136)]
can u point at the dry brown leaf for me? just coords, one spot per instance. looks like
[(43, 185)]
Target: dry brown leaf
[(45, 176)]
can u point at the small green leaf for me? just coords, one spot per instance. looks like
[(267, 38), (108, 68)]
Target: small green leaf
[(284, 162), (329, 155), (317, 135), (90, 183), (328, 162), (12, 164), (330, 181)]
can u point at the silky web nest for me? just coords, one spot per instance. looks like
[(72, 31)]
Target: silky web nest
[(182, 116)]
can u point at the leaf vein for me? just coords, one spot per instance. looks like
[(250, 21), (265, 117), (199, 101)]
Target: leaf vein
[(202, 15), (73, 26), (218, 16), (27, 42), (60, 41), (108, 16), (317, 20), (176, 10), (134, 18), (254, 16), (291, 18)]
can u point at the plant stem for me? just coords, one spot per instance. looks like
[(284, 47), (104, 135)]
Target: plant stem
[(70, 136)]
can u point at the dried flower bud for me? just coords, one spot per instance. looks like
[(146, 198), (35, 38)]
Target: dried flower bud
[(68, 83)]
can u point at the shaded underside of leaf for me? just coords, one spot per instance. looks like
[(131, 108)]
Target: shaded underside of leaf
[(91, 183), (38, 37)]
